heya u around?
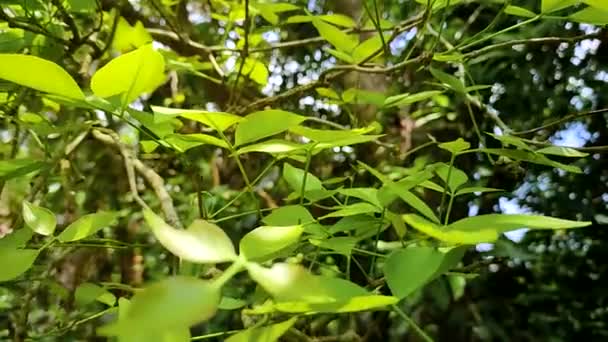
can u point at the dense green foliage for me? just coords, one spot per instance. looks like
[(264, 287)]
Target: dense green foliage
[(304, 170)]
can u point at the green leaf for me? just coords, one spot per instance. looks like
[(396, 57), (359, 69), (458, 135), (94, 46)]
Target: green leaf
[(409, 269), (407, 99), (39, 219), (340, 40), (39, 74), (369, 47), (439, 4), (507, 140), (327, 135), (87, 293), (201, 242), (341, 55), (229, 303), (457, 176), (216, 120), (562, 151), (15, 262), (474, 189), (176, 302), (531, 157), (256, 71), (338, 19), (296, 290), (367, 194), (262, 243), (452, 236), (127, 37), (451, 81), (353, 209), (295, 178), (455, 146), (13, 168), (598, 4), (17, 239), (328, 92), (87, 225), (486, 228), (519, 11), (357, 223), (274, 146), (590, 15), (289, 215), (161, 129), (132, 74), (263, 124), (408, 197), (269, 333), (548, 6), (184, 142), (504, 223), (342, 244), (360, 96)]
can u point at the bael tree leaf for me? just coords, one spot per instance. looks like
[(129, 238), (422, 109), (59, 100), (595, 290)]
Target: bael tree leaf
[(132, 74), (14, 262), (333, 35), (289, 215), (411, 268), (201, 242), (269, 333), (353, 209), (295, 290), (562, 151), (217, 120), (87, 225), (507, 222), (184, 142), (407, 98), (87, 293), (295, 179), (262, 243), (273, 146), (258, 125), (173, 303), (456, 176), (13, 168), (39, 74), (548, 6), (39, 219), (455, 146)]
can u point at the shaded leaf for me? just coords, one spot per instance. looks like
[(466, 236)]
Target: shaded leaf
[(273, 146), (340, 40), (411, 268), (15, 262), (562, 151), (455, 146), (216, 120), (407, 98)]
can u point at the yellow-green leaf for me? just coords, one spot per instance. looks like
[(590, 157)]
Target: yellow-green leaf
[(177, 302), (132, 74), (87, 225), (40, 74), (217, 120), (129, 37), (201, 242), (262, 243), (335, 36), (39, 219), (265, 123)]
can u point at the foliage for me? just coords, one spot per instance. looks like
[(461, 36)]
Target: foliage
[(303, 222)]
